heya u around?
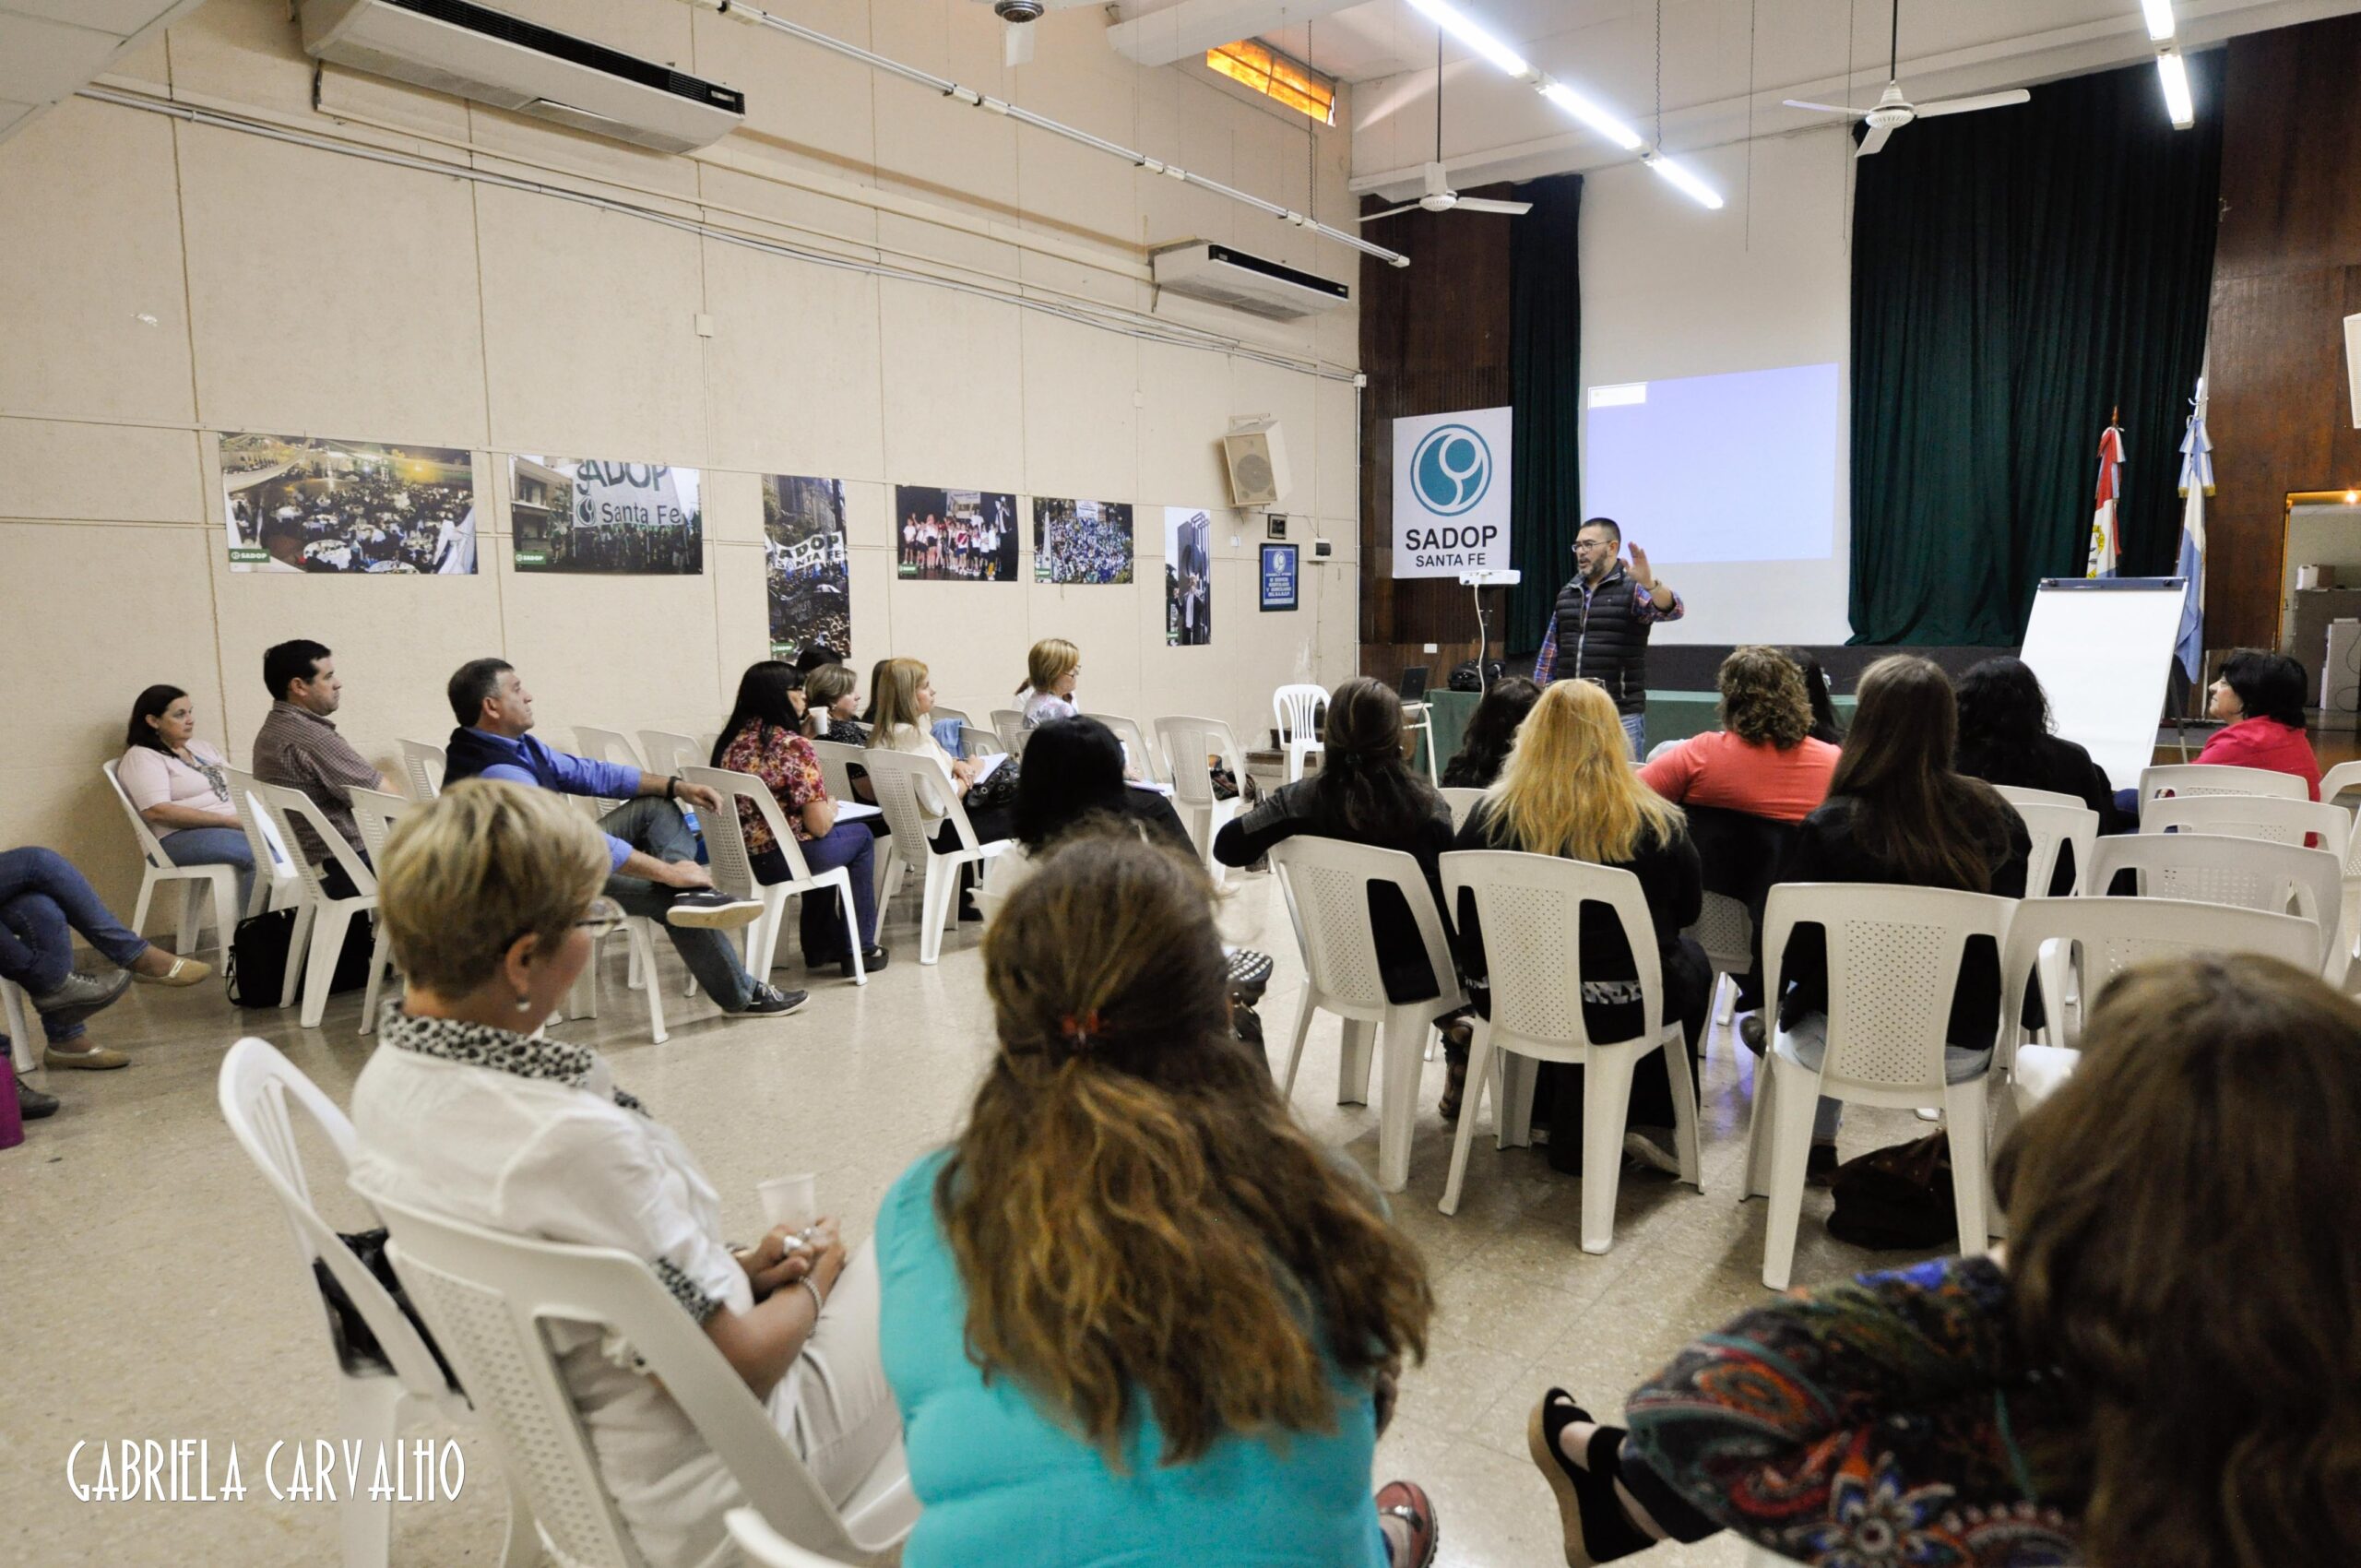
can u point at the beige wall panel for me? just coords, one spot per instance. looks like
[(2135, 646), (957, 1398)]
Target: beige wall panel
[(245, 51), (945, 251), (793, 365), (590, 322), (66, 807), (359, 320), (972, 637), (834, 226), (147, 65), (940, 148), (1340, 619), (1103, 621), (138, 593), (1179, 125), (797, 95), (1116, 284), (1081, 430), (1064, 183), (100, 472), (1185, 407), (870, 577), (1328, 477), (869, 523), (625, 653), (732, 499), (741, 621), (953, 414), (89, 245)]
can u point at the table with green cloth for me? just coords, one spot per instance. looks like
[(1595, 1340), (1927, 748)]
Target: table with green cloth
[(1672, 715)]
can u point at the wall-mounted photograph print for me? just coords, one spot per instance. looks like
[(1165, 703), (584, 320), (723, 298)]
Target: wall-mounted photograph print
[(954, 536), (579, 514), (1188, 576), (805, 567), (308, 503), (1080, 542)]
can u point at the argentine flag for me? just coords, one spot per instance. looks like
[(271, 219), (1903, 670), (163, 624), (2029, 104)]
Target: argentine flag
[(2196, 484)]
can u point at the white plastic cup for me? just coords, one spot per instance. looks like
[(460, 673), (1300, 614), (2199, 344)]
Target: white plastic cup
[(792, 1200)]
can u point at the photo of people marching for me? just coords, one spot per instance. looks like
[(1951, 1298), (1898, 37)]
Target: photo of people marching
[(960, 536), (576, 514), (303, 504), (803, 547), (1080, 542), (1188, 577)]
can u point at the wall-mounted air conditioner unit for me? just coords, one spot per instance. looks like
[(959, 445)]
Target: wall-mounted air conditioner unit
[(473, 52), (1225, 276)]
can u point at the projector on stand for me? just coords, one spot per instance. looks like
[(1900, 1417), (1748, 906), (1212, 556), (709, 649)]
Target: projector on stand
[(1480, 581)]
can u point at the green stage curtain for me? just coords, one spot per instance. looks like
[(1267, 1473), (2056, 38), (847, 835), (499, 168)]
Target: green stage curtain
[(2016, 274), (1545, 377)]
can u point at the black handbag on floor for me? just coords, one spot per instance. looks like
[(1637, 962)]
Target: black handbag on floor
[(255, 974), (1899, 1196)]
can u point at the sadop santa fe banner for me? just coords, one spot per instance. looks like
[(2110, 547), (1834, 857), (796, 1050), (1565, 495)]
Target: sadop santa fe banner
[(308, 503), (803, 551), (579, 514), (1451, 493)]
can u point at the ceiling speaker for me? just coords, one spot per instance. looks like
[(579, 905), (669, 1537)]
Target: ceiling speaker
[(1257, 460)]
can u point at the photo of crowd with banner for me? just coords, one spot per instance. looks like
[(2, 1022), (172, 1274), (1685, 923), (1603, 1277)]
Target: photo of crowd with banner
[(1080, 542), (304, 504), (1188, 576), (954, 535), (575, 515), (803, 549)]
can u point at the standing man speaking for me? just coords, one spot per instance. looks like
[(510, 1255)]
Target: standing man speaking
[(1603, 614)]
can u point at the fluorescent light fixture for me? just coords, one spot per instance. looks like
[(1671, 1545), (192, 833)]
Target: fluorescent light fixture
[(1688, 183), (2160, 18), (1591, 115), (2176, 79), (1622, 395), (1463, 27)]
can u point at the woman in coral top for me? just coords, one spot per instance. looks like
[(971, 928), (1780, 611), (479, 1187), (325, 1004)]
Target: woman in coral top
[(2262, 695), (1764, 762)]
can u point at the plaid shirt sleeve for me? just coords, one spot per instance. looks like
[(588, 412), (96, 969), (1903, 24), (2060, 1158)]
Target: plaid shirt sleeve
[(1647, 611), (1545, 668)]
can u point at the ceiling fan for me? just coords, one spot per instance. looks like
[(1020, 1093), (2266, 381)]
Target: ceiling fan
[(1016, 36), (1892, 111), (1438, 197)]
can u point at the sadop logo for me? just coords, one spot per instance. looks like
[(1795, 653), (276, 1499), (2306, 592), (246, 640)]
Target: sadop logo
[(1451, 470)]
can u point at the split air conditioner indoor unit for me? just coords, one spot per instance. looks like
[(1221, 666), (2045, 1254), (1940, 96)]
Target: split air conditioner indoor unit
[(1224, 275), (476, 52)]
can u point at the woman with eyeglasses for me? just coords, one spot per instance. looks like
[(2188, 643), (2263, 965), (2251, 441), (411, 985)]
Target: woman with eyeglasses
[(491, 897)]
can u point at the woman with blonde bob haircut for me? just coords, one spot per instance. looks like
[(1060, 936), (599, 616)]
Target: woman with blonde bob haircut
[(904, 694), (1569, 789), (490, 898), (1050, 670), (1135, 1313)]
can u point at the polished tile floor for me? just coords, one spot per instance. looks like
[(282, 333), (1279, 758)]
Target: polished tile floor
[(150, 1291)]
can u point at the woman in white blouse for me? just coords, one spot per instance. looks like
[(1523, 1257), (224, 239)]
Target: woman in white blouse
[(489, 895), (177, 785), (1051, 672)]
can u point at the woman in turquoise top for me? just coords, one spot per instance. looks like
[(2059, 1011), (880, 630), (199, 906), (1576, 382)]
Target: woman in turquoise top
[(1135, 1313)]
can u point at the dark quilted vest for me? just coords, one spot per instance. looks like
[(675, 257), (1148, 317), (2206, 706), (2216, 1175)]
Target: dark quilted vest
[(1611, 648)]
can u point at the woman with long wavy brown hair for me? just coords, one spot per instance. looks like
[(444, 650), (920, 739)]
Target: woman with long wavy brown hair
[(2163, 1373), (1135, 1313)]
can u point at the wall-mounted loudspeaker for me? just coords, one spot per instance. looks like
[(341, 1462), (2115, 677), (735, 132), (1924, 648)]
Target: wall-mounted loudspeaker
[(1257, 460), (2353, 364)]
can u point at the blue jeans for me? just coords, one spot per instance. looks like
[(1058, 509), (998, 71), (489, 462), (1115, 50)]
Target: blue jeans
[(848, 844), (214, 847), (43, 900), (1635, 730), (656, 827)]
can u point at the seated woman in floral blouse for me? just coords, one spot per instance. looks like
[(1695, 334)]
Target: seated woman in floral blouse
[(761, 738), (2162, 1372)]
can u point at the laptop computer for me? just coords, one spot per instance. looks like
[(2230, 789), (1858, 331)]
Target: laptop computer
[(1414, 684)]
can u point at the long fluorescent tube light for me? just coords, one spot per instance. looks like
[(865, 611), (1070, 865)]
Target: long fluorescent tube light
[(1688, 183), (2176, 79), (2160, 18), (1591, 115), (1463, 27)]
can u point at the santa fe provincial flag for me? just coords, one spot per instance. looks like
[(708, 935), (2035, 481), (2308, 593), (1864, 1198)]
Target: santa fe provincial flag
[(2102, 561)]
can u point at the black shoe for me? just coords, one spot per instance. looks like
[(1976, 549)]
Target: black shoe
[(32, 1104), (968, 913), (707, 908), (1750, 1031), (1820, 1165), (771, 999), (872, 960), (80, 995)]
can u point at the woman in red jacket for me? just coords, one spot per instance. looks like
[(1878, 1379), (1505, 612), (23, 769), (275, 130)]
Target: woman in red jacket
[(2262, 697)]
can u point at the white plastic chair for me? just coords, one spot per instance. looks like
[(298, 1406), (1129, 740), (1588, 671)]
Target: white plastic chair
[(1893, 961), (1008, 723), (2024, 795), (219, 883), (2051, 828), (320, 921), (606, 745), (1529, 908), (898, 777), (2253, 816), (639, 934), (2177, 779), (374, 813), (836, 762), (278, 884), (257, 1086), (669, 753), (486, 1297), (1153, 765), (15, 1008), (2246, 874), (1326, 882), (1188, 747), (422, 766), (1462, 801), (1418, 718), (1297, 708), (766, 1548), (1725, 932), (733, 870)]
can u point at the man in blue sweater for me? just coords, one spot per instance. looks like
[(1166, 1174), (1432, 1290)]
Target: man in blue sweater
[(652, 851)]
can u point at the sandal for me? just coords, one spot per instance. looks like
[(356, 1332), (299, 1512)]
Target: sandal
[(1407, 1502), (1595, 1527)]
